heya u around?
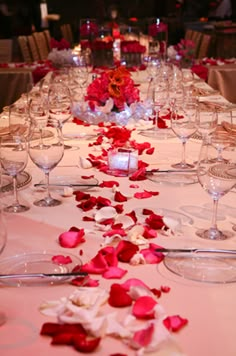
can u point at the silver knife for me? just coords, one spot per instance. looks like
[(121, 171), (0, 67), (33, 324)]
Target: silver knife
[(72, 185), (171, 171), (195, 250), (42, 275)]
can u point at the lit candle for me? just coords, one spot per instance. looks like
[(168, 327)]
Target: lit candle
[(122, 161)]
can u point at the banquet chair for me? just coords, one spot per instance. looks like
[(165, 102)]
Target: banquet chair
[(6, 47), (204, 47), (24, 48), (41, 44), (66, 32), (197, 38), (33, 48), (48, 38), (188, 34)]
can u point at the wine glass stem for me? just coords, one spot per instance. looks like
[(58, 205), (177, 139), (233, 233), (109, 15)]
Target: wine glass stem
[(47, 185), (214, 214), (16, 201), (183, 161)]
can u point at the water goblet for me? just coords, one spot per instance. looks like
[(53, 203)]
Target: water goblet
[(207, 124), (221, 141), (14, 157), (184, 123), (3, 239), (216, 179), (38, 114), (59, 103), (46, 153)]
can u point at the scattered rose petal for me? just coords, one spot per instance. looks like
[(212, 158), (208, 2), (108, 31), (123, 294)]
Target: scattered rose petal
[(85, 163), (114, 272), (61, 260), (134, 186), (142, 195), (174, 323), (71, 239), (143, 337), (143, 308), (109, 184), (119, 197), (119, 296), (126, 250), (150, 151)]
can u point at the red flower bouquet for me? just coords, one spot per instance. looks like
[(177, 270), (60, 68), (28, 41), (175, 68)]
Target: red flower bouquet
[(115, 84), (88, 29), (59, 45), (131, 52), (185, 50), (155, 28)]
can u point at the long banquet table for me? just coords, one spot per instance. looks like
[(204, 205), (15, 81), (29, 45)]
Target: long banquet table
[(209, 308)]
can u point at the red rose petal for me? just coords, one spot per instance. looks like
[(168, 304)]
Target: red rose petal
[(165, 289), (119, 197), (119, 297), (114, 272), (109, 184), (97, 265), (61, 260), (144, 337), (71, 239), (126, 250), (143, 307), (142, 195), (150, 151), (85, 344), (174, 323)]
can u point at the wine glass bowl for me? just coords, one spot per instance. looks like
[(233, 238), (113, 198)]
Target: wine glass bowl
[(59, 103), (46, 153), (215, 178), (14, 157), (184, 123)]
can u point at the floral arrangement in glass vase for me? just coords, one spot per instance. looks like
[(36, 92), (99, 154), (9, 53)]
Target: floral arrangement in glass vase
[(185, 51), (61, 53), (131, 52), (112, 97)]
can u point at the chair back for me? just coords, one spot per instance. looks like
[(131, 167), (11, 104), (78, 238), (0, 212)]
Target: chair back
[(48, 38), (188, 34), (33, 48), (6, 47), (66, 33), (41, 44), (197, 38), (204, 48), (24, 48)]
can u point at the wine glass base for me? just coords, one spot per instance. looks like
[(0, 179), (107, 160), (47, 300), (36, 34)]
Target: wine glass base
[(47, 202), (181, 165), (214, 234), (18, 208)]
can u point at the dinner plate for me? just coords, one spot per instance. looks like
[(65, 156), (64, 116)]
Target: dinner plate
[(37, 262), (23, 179), (167, 213), (160, 134), (79, 136), (203, 267), (174, 178)]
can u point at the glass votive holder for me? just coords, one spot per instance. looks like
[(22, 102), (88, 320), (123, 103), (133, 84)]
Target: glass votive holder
[(122, 161)]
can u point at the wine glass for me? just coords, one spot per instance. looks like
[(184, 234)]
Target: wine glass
[(207, 124), (221, 141), (216, 179), (46, 153), (59, 103), (19, 120), (14, 157), (80, 72), (38, 114), (184, 123), (3, 240)]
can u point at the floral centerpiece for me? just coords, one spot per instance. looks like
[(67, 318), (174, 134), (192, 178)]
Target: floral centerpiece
[(111, 97), (131, 52), (158, 33), (61, 53), (185, 51)]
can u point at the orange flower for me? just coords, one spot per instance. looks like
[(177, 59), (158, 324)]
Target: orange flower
[(114, 90)]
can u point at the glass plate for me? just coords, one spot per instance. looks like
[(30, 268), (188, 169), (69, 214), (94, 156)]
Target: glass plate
[(36, 262), (58, 183), (160, 134), (203, 212), (175, 215), (178, 178), (79, 136), (23, 179), (203, 267)]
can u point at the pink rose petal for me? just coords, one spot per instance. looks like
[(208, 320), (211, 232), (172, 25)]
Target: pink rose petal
[(144, 337), (71, 239), (142, 195), (114, 272), (61, 260), (174, 323), (133, 282), (143, 307)]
